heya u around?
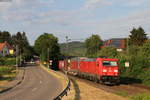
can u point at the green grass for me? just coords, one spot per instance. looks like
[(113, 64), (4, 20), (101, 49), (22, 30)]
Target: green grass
[(5, 61), (7, 73), (122, 93), (6, 69), (143, 96)]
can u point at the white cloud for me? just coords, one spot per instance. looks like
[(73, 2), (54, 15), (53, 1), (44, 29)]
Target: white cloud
[(119, 27), (24, 15), (21, 10), (136, 2), (90, 4), (122, 26), (4, 6)]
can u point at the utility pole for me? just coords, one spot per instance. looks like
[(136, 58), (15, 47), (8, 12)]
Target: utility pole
[(67, 51), (127, 44), (20, 59), (48, 56), (67, 45), (16, 56)]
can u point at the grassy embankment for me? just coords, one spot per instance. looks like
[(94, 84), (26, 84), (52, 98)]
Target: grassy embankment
[(139, 96), (143, 96), (7, 70)]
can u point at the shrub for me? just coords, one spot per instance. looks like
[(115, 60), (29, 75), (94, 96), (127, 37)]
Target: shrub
[(108, 52), (1, 61), (139, 58)]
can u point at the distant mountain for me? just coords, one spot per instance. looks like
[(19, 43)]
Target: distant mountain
[(75, 48)]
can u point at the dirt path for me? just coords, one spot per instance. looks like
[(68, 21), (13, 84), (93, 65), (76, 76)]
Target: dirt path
[(83, 91)]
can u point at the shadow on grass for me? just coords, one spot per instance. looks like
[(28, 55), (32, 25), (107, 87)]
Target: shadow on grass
[(129, 80), (6, 78), (77, 90)]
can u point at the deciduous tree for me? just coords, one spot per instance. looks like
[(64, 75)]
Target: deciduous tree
[(20, 39), (5, 36), (47, 47), (108, 52), (138, 36), (93, 45), (47, 44)]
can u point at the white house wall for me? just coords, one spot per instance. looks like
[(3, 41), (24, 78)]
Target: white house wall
[(5, 51)]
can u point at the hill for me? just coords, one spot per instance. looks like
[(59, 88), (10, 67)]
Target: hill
[(75, 48)]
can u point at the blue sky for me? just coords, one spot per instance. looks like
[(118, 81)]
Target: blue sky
[(77, 19)]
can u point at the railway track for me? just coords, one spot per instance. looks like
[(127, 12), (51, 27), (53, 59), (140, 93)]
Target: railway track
[(127, 89)]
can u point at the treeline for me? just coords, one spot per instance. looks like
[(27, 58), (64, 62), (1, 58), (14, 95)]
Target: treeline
[(19, 42)]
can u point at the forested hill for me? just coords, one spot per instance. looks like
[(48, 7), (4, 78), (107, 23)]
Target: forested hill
[(75, 48)]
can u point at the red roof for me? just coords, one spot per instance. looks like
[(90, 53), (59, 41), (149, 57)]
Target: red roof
[(115, 42), (2, 45)]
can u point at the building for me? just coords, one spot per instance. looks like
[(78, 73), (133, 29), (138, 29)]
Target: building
[(5, 49), (118, 43)]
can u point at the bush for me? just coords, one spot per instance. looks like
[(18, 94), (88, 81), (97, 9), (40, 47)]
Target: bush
[(139, 58), (145, 76), (1, 61), (108, 52), (123, 70)]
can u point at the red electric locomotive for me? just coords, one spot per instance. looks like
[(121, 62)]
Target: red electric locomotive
[(103, 70)]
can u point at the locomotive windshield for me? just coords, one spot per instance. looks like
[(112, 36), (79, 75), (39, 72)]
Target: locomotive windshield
[(109, 63)]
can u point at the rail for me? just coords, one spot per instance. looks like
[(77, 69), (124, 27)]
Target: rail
[(65, 91)]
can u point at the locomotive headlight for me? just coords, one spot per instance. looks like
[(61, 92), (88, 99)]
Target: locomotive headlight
[(116, 71), (104, 70)]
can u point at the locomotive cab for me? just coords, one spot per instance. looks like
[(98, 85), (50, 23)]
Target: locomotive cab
[(108, 70)]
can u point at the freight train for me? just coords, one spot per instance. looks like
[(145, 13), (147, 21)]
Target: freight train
[(103, 70)]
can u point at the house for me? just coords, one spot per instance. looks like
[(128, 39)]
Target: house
[(118, 43), (5, 49)]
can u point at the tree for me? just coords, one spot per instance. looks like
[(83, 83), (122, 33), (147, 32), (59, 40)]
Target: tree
[(137, 36), (93, 45), (47, 45), (20, 39), (5, 36), (145, 51), (108, 52)]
